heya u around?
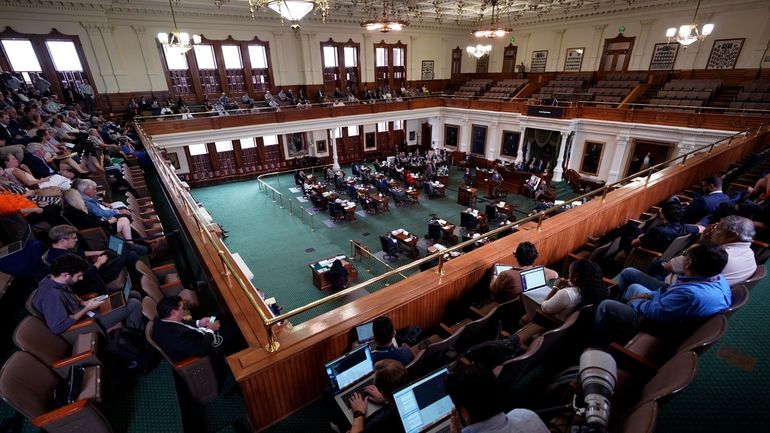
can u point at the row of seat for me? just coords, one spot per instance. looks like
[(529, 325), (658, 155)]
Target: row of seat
[(696, 85)]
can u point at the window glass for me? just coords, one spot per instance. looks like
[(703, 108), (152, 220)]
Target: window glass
[(198, 149), (19, 52), (232, 56), (224, 146), (174, 60), (247, 143), (270, 140), (64, 56), (204, 55), (330, 56), (258, 56), (398, 124), (351, 59), (382, 126), (398, 57), (352, 131), (381, 55)]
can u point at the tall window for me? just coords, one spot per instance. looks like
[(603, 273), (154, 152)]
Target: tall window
[(216, 66), (340, 65), (390, 64), (57, 57)]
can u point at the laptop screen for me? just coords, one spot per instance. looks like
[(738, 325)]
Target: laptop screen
[(349, 368), (502, 268), (533, 278), (365, 333), (115, 245), (423, 403)]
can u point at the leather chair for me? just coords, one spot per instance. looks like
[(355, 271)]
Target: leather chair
[(163, 281), (27, 385), (391, 250), (198, 373), (509, 372), (740, 298), (33, 336)]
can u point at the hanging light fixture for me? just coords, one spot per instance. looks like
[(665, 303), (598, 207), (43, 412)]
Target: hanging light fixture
[(478, 51), (385, 24), (177, 42), (292, 10), (494, 30), (689, 33)]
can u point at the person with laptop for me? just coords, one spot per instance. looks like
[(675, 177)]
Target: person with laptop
[(385, 343), (61, 307), (107, 266), (389, 376), (506, 285), (479, 406)]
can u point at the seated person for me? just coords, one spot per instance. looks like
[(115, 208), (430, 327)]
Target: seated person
[(507, 285), (338, 275), (478, 400), (699, 292), (61, 308), (384, 337), (180, 338), (702, 207), (389, 376), (87, 189), (40, 165), (660, 237), (299, 177)]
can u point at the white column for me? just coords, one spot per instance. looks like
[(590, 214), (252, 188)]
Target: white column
[(557, 171), (464, 137), (151, 63), (616, 168), (308, 65), (639, 54), (335, 156), (491, 150), (279, 65), (104, 79), (596, 53)]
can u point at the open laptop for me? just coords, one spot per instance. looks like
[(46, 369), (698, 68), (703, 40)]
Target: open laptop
[(351, 373), (365, 333), (425, 406), (15, 236), (115, 247), (116, 300), (502, 268), (534, 288)]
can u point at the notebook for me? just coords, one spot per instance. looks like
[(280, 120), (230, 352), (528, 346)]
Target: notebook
[(16, 233), (351, 373), (425, 406)]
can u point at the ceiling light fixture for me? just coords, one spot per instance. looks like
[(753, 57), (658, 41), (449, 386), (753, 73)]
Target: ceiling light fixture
[(478, 51), (177, 42), (494, 30), (385, 24), (688, 33), (292, 10)]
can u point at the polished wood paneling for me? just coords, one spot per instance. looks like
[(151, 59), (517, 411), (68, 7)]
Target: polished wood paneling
[(293, 376)]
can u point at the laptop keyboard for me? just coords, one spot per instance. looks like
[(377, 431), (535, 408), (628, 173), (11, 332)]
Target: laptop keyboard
[(116, 301), (358, 388)]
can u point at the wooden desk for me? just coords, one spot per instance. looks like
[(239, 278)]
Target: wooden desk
[(407, 240), (320, 270), (439, 187), (466, 196), (448, 231), (505, 208), (330, 195), (381, 201), (412, 193), (443, 179)]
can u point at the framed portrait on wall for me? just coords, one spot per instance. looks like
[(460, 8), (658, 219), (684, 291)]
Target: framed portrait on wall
[(478, 139), (320, 146), (296, 145), (592, 157), (664, 56), (646, 153), (174, 158), (574, 59), (450, 135), (510, 145), (539, 60), (370, 142), (724, 53), (412, 135), (427, 70)]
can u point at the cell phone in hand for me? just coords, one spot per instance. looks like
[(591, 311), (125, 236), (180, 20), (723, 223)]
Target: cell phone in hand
[(212, 319), (101, 298)]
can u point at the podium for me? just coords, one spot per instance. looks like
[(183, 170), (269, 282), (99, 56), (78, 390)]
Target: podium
[(466, 196)]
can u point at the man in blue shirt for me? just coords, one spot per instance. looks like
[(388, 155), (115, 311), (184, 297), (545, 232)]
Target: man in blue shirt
[(384, 348), (700, 292)]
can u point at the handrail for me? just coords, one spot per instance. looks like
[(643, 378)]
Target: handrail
[(269, 322)]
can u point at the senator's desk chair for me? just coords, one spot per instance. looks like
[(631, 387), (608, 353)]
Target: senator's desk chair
[(28, 386), (434, 231), (646, 353), (33, 336), (640, 258), (198, 373), (390, 249)]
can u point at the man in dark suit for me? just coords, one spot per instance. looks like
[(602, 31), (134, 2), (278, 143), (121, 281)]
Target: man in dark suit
[(34, 158), (182, 339), (701, 208), (8, 140)]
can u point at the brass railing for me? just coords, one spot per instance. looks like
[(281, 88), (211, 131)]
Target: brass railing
[(229, 266), (301, 210)]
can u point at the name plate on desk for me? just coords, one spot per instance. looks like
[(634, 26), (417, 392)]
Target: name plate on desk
[(543, 111)]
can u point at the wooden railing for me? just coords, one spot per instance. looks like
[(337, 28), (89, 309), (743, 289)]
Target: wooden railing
[(291, 377)]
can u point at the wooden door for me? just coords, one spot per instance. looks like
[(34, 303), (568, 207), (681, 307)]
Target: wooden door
[(617, 54), (426, 134)]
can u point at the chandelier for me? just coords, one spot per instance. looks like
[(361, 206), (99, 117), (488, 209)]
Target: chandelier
[(478, 51), (494, 30), (688, 33), (292, 10), (177, 42), (385, 24)]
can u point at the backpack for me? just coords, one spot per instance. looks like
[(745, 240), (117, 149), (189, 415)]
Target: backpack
[(495, 352), (130, 350)]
